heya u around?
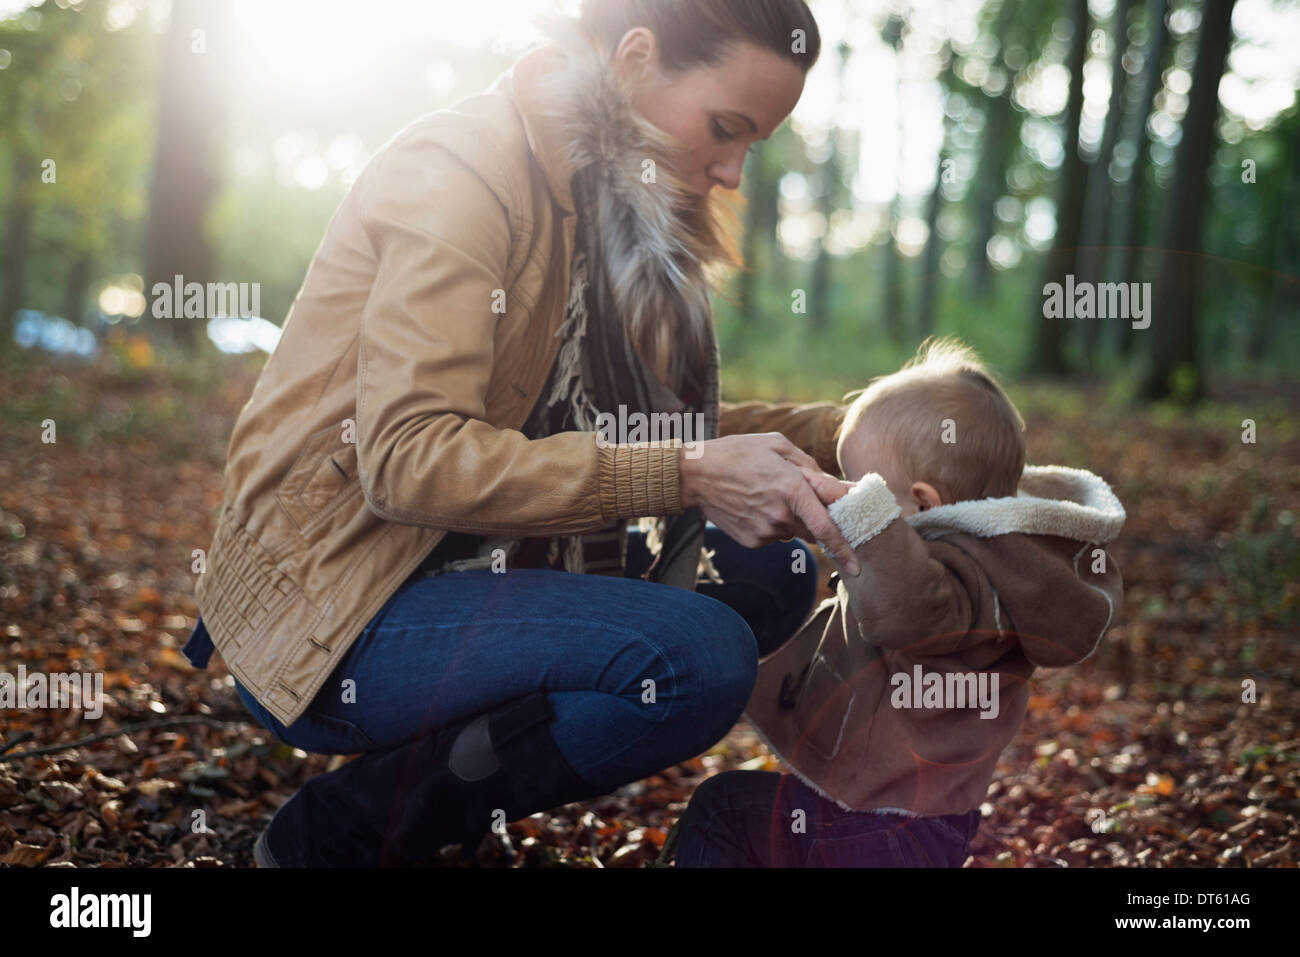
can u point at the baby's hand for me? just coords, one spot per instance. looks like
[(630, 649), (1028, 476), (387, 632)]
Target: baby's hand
[(827, 487)]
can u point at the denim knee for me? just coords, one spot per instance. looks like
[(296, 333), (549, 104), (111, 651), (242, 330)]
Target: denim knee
[(716, 648)]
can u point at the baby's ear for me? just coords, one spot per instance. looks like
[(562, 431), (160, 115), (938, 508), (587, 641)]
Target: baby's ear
[(926, 496)]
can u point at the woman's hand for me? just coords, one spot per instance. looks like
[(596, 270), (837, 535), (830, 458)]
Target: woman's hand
[(761, 488)]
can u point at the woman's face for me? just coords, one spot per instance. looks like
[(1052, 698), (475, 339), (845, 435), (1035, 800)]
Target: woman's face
[(718, 112)]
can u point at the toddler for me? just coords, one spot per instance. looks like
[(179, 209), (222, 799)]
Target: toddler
[(893, 701)]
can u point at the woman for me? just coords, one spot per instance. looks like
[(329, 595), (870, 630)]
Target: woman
[(420, 470)]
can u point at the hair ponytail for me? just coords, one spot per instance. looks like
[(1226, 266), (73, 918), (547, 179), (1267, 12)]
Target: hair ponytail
[(694, 33)]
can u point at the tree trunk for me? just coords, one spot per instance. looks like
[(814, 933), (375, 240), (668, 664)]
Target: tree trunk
[(1094, 251), (893, 35), (819, 296), (1048, 356), (186, 174), (1001, 133), (1284, 292), (893, 304), (74, 290), (13, 270), (759, 186), (1175, 361), (999, 141), (931, 277), (768, 212), (1133, 229)]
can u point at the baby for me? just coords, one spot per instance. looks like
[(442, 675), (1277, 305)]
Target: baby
[(892, 703)]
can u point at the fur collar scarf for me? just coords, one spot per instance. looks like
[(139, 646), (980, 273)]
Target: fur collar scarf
[(663, 248)]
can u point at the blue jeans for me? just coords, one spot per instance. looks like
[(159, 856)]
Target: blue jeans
[(766, 819), (639, 676)]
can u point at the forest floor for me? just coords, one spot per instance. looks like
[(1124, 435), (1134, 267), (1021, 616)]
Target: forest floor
[(1153, 752)]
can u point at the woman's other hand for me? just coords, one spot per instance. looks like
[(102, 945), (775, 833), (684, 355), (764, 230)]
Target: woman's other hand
[(762, 488)]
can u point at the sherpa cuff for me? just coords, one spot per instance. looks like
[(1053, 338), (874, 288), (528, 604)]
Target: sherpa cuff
[(866, 510)]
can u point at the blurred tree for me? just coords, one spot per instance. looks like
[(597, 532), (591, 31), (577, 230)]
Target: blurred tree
[(1133, 227), (26, 179), (758, 183), (1001, 132), (1284, 290), (188, 159), (764, 264), (1245, 239), (1093, 245), (931, 277), (22, 112), (819, 305), (1048, 356), (1018, 31), (73, 110), (783, 144), (74, 298), (892, 33), (1175, 365)]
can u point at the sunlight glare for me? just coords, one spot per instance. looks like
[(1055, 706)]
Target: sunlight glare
[(310, 44)]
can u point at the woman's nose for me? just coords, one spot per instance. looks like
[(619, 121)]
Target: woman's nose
[(727, 174)]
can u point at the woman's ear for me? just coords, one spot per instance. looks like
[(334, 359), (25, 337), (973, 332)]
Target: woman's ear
[(635, 53), (925, 496)]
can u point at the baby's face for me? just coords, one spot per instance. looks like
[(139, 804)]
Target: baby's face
[(861, 450)]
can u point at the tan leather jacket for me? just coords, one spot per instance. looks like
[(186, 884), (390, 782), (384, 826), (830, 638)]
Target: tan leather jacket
[(389, 412)]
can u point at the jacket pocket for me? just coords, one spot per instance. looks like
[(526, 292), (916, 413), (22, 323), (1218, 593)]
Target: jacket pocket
[(325, 469), (825, 707)]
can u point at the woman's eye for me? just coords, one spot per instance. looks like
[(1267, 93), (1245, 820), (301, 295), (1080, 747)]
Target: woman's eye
[(720, 131)]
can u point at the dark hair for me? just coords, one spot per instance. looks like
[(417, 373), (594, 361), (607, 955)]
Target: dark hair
[(694, 33)]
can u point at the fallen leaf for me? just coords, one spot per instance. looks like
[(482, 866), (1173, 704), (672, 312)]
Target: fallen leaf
[(25, 855)]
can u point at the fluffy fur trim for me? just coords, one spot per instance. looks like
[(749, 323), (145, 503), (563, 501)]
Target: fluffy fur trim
[(865, 511), (1051, 500), (663, 247)]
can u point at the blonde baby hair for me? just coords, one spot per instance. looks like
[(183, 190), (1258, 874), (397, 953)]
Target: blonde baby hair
[(946, 421)]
